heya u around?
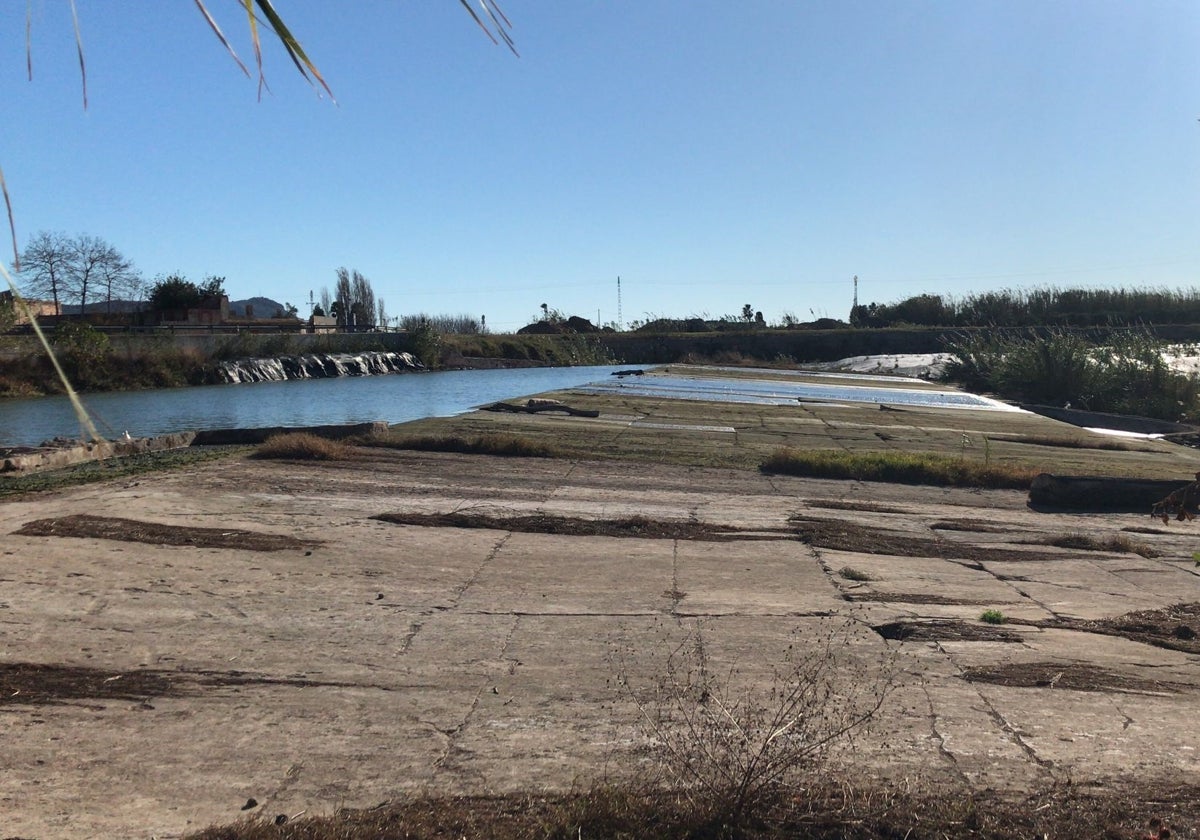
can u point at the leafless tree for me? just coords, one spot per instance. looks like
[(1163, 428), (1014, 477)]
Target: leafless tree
[(354, 304), (45, 267), (72, 269), (364, 302), (343, 299), (116, 277)]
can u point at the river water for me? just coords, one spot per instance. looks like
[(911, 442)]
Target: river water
[(306, 402)]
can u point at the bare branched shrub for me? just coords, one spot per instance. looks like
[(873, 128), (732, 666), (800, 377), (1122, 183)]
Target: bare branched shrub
[(735, 745)]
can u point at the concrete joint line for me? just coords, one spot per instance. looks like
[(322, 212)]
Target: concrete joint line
[(460, 591), (453, 732), (940, 739), (676, 595)]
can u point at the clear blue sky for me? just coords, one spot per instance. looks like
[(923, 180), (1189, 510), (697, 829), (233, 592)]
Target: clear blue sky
[(709, 153)]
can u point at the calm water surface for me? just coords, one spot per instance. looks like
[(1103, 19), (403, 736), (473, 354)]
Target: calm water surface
[(307, 402)]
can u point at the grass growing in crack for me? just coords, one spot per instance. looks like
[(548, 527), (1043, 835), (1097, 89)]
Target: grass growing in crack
[(1114, 542), (303, 446), (897, 467), (734, 747), (993, 617), (489, 444), (851, 573)]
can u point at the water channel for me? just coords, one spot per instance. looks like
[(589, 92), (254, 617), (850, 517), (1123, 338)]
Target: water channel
[(307, 402), (410, 396)]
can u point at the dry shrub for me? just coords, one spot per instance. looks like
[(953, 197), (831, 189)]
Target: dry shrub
[(303, 446), (736, 747), (835, 809)]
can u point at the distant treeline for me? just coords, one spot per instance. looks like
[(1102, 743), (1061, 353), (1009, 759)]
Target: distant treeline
[(1038, 307)]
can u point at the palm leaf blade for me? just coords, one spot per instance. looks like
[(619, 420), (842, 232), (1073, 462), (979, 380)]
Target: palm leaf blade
[(221, 36)]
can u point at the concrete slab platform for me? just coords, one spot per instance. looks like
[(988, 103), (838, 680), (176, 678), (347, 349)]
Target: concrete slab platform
[(382, 660)]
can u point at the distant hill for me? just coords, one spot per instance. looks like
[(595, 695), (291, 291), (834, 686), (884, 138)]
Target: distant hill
[(262, 307)]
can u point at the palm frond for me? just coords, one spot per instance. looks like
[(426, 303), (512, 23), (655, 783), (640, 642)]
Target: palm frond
[(12, 225), (501, 22), (220, 36), (79, 49), (498, 19), (86, 426), (29, 40), (294, 50), (258, 60)]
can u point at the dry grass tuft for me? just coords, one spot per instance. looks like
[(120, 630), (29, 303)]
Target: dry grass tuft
[(513, 446), (303, 446), (1076, 443), (898, 467), (1119, 543)]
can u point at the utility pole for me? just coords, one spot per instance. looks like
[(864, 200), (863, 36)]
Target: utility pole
[(619, 327)]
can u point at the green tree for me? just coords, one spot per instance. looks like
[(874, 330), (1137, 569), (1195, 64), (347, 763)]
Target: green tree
[(175, 292), (83, 352), (425, 343)]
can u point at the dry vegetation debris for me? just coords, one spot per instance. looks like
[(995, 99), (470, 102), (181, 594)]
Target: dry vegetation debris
[(156, 533), (544, 523), (1174, 628), (1073, 676)]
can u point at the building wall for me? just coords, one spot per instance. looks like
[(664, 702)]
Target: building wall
[(39, 308)]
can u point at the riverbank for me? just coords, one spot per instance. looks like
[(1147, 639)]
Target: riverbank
[(98, 362), (205, 643)]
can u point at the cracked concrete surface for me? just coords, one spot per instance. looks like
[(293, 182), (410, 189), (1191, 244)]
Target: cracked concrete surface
[(427, 659)]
